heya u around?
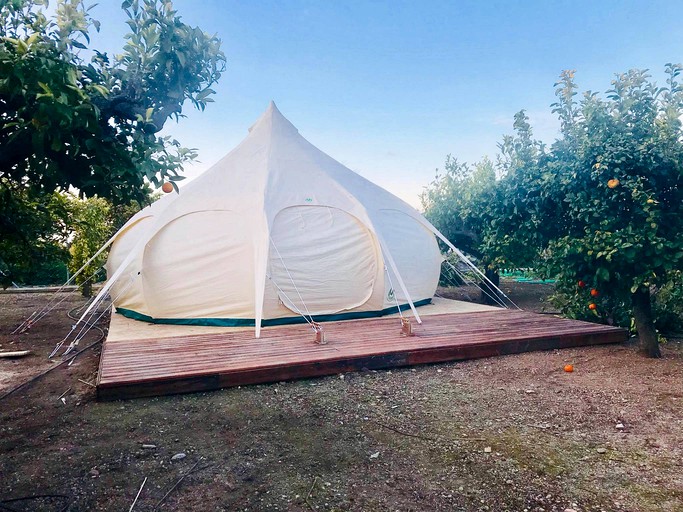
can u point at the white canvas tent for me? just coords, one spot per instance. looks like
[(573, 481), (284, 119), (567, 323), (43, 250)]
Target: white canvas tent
[(274, 232)]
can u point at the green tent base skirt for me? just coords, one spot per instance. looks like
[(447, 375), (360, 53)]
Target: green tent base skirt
[(250, 322)]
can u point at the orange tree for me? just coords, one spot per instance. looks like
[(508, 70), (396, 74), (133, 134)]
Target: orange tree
[(453, 202), (602, 208), (92, 124), (482, 207), (74, 117)]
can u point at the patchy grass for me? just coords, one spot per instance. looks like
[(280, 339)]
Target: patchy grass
[(408, 439)]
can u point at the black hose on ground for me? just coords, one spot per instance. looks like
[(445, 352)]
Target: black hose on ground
[(68, 499), (71, 358)]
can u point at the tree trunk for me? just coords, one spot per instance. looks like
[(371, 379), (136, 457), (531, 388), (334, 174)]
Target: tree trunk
[(86, 289), (642, 311), (489, 294)]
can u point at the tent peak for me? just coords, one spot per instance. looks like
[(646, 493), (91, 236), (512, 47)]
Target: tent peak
[(273, 119)]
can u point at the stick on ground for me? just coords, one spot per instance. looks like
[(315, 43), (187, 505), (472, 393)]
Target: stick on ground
[(138, 495), (309, 493), (176, 485), (63, 394), (18, 353)]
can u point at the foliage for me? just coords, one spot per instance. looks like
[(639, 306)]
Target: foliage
[(457, 201), (480, 208), (120, 213), (522, 216), (34, 234), (91, 228), (604, 205), (601, 210), (64, 232), (92, 125), (668, 304), (573, 301), (461, 203)]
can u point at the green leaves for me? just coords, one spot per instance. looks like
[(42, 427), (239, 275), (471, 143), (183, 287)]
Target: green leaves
[(618, 233), (457, 202), (91, 126), (166, 62), (602, 205), (90, 220), (602, 274)]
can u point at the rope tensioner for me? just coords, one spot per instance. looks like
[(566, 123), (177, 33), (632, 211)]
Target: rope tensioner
[(320, 335)]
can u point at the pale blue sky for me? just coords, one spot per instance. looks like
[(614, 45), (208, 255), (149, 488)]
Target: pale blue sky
[(390, 88)]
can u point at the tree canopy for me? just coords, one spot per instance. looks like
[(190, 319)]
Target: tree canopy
[(73, 117), (92, 123), (601, 209), (454, 202)]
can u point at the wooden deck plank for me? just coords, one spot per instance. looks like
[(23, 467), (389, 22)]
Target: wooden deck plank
[(250, 346), (131, 368)]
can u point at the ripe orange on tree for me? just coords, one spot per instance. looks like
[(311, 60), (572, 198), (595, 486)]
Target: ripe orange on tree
[(594, 292), (167, 187), (592, 306)]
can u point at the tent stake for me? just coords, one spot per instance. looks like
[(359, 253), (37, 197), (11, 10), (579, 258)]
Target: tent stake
[(320, 335), (406, 327)]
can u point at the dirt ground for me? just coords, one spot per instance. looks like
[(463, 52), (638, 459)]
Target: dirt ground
[(512, 433)]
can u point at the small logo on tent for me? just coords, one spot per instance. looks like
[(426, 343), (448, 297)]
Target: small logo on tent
[(309, 199), (391, 295)]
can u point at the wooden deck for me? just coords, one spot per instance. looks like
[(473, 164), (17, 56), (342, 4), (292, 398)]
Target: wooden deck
[(149, 367)]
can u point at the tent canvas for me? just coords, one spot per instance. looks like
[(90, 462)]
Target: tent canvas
[(275, 232)]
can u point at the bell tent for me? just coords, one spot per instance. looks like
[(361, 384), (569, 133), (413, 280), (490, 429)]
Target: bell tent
[(275, 232)]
